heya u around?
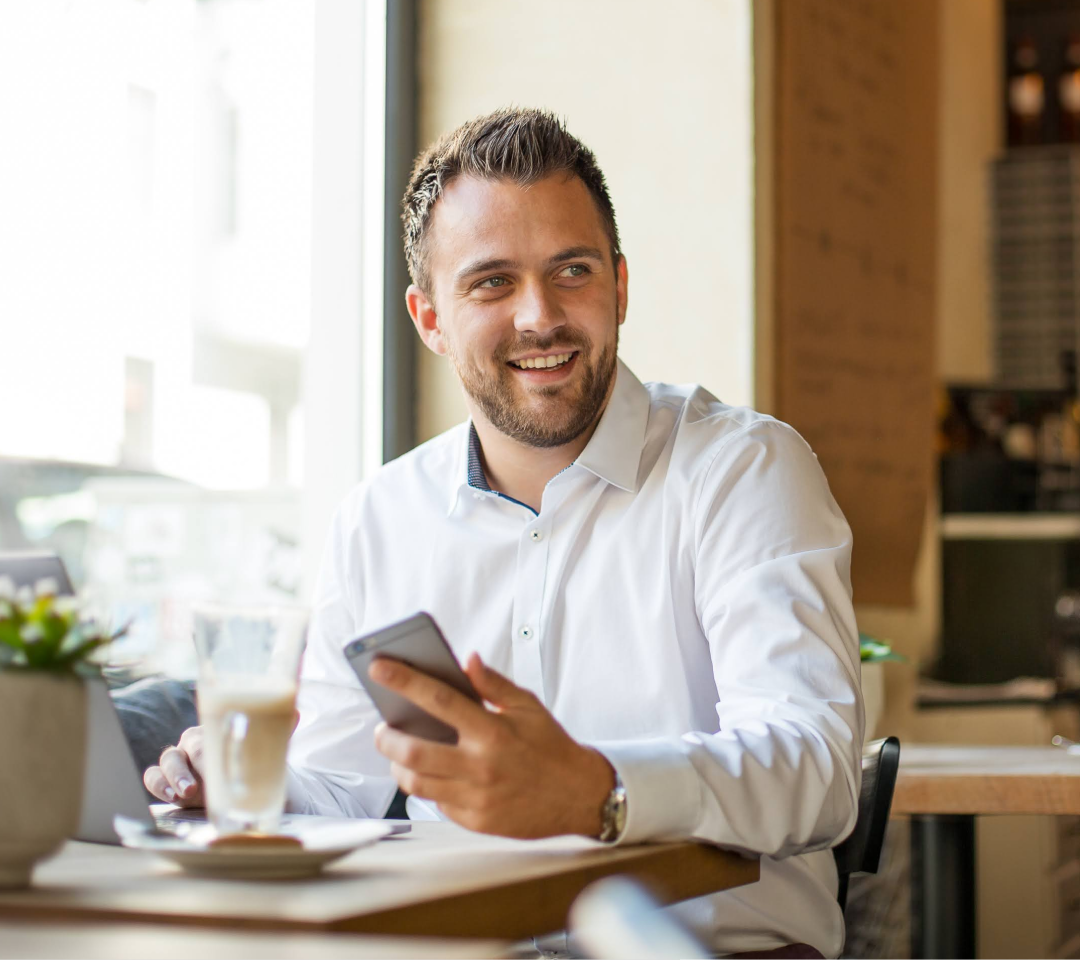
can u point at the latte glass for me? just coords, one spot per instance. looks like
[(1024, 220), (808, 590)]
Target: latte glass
[(249, 665)]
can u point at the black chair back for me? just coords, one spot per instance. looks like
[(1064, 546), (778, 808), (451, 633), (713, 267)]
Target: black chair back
[(861, 851)]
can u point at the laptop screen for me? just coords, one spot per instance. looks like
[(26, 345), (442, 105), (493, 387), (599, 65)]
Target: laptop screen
[(27, 569)]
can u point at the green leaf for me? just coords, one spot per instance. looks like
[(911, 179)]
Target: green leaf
[(877, 651), (80, 651), (38, 656), (9, 635), (889, 657)]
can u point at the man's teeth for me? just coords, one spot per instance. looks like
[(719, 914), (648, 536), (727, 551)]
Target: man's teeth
[(535, 362)]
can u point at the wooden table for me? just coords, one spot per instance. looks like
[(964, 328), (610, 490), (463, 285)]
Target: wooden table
[(439, 881), (137, 941), (970, 781), (943, 789)]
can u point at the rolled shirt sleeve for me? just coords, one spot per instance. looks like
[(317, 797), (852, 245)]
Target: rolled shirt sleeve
[(773, 594)]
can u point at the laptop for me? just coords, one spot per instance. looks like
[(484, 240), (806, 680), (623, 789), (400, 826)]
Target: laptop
[(113, 783)]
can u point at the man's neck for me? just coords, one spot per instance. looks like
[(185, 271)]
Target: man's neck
[(521, 471)]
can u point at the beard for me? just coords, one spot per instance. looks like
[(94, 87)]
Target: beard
[(549, 416)]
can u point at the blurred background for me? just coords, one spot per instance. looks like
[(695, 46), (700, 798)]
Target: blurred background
[(859, 215)]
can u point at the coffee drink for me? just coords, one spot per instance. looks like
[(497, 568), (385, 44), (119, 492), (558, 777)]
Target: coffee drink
[(247, 722)]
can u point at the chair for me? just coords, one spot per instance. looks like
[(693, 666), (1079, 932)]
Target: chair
[(861, 851)]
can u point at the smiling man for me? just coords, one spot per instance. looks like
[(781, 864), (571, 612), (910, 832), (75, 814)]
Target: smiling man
[(650, 588)]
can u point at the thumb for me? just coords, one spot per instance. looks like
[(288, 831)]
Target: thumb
[(492, 685)]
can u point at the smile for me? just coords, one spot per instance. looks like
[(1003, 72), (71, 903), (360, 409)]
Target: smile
[(542, 363)]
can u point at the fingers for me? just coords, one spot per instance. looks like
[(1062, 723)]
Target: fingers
[(177, 771), (154, 781), (439, 699), (158, 784), (178, 776), (417, 754), (191, 745), (492, 685), (439, 789)]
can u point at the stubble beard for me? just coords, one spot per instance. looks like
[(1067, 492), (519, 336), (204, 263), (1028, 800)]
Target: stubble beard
[(566, 413)]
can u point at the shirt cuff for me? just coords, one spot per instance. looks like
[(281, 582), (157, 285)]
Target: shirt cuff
[(663, 791)]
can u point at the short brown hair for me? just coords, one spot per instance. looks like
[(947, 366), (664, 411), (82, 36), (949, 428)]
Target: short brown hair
[(510, 144)]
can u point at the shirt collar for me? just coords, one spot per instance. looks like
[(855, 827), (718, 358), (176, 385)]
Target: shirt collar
[(614, 450), (613, 453)]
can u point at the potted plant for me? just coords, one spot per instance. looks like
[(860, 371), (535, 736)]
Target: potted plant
[(872, 654), (46, 648)]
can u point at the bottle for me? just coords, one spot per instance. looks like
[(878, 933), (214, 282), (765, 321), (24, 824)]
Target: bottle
[(1026, 95), (1070, 412), (1059, 428), (1069, 92)]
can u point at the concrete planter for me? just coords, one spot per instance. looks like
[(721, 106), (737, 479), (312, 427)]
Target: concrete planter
[(873, 691), (42, 760)]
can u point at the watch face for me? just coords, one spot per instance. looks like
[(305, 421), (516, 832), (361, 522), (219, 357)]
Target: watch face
[(620, 812), (614, 815)]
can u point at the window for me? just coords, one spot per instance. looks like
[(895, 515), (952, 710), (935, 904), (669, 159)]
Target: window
[(162, 376)]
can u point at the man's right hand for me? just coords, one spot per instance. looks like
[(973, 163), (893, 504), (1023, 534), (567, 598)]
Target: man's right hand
[(178, 777)]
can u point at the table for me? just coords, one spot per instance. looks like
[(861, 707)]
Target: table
[(137, 941), (943, 789), (438, 881)]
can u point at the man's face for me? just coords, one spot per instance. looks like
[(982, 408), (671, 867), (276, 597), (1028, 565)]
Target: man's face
[(527, 304)]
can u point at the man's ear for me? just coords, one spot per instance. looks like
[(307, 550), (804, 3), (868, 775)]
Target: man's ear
[(621, 289), (425, 319)]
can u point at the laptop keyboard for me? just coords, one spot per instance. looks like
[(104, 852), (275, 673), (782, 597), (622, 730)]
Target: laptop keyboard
[(172, 820)]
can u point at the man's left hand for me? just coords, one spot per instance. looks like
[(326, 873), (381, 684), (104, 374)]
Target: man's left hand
[(514, 770)]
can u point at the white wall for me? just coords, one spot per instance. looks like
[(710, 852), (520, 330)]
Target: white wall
[(662, 93)]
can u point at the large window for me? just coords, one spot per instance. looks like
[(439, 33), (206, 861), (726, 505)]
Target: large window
[(156, 248)]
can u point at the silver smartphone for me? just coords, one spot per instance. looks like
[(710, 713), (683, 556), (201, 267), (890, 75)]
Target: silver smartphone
[(418, 642)]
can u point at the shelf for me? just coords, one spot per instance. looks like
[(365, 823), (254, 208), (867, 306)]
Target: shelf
[(1010, 526)]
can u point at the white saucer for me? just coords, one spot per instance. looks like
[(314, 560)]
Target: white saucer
[(321, 845)]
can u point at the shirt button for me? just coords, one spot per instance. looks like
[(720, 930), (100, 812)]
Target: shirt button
[(478, 496), (536, 536), (525, 633)]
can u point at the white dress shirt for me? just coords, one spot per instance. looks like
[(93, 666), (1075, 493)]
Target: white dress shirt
[(682, 602)]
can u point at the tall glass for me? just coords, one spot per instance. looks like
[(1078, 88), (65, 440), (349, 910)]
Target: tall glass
[(249, 664)]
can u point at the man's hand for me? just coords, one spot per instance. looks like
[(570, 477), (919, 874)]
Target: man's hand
[(514, 770), (178, 778)]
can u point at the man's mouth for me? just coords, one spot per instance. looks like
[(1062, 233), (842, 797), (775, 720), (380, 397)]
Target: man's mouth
[(543, 363)]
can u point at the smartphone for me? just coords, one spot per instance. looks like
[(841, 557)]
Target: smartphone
[(418, 642)]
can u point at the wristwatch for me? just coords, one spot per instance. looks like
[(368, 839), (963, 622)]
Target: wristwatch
[(613, 815)]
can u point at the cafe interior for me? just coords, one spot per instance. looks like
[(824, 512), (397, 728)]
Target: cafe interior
[(860, 217)]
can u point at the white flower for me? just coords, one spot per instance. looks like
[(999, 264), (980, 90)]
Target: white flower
[(66, 605), (7, 588), (46, 587), (30, 632), (24, 596)]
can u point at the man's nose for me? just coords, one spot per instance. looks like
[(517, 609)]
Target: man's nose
[(538, 310)]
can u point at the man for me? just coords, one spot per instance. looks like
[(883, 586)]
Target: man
[(650, 588)]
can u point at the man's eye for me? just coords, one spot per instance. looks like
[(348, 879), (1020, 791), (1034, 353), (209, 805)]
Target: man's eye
[(574, 270), (492, 282)]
